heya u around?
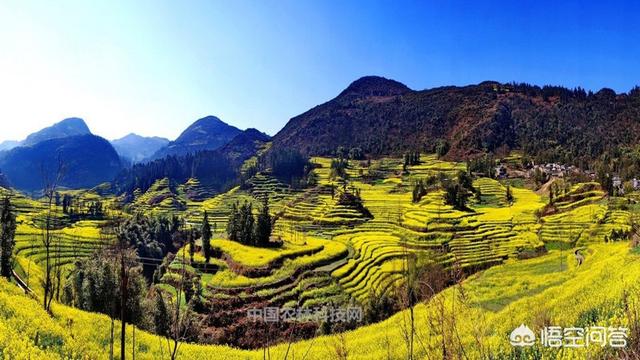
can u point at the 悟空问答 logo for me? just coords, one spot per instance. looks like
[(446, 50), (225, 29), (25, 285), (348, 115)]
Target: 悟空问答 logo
[(522, 336)]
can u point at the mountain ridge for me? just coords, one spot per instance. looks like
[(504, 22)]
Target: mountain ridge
[(384, 118), (68, 127), (207, 133)]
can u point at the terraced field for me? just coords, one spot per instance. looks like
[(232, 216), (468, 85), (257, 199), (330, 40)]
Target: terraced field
[(336, 254), (490, 308), (371, 252)]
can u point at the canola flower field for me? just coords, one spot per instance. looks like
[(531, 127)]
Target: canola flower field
[(482, 309), (334, 253)]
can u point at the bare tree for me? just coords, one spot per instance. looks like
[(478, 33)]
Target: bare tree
[(408, 298), (50, 184), (181, 317), (127, 259)]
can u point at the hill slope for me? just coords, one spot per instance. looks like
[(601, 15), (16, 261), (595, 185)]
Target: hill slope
[(87, 161), (385, 117), (208, 133), (478, 317)]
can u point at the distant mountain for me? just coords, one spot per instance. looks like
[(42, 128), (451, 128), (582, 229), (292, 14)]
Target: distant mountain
[(65, 128), (136, 148), (216, 169), (383, 117), (87, 160), (8, 144), (208, 133)]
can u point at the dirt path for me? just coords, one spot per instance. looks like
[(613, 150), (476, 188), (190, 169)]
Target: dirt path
[(544, 189)]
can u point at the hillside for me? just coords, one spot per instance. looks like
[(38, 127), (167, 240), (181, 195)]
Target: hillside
[(341, 253), (384, 117), (87, 160), (208, 133), (216, 169), (135, 148), (245, 145), (485, 307)]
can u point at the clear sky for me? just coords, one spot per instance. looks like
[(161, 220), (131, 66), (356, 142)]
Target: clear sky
[(154, 67)]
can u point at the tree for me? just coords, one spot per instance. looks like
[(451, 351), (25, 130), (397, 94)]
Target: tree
[(419, 190), (263, 224), (50, 184), (509, 195), (465, 180), (441, 148), (456, 196), (339, 169), (7, 241), (125, 255), (206, 238), (356, 153), (232, 223), (182, 322), (192, 244), (246, 224), (161, 317), (478, 196)]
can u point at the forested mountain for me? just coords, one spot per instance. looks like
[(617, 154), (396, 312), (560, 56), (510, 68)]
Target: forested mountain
[(245, 144), (216, 169), (208, 133), (382, 116), (135, 148), (85, 160)]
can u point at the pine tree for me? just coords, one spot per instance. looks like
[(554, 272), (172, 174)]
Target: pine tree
[(263, 224), (8, 223), (232, 224), (206, 238), (246, 224)]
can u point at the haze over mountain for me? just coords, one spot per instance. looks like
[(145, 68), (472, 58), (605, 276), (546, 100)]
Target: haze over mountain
[(8, 144), (382, 117), (135, 148), (208, 133), (65, 128)]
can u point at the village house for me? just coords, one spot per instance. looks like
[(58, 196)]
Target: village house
[(501, 172)]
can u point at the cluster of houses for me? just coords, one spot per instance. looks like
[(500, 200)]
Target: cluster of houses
[(617, 184), (551, 169), (559, 171)]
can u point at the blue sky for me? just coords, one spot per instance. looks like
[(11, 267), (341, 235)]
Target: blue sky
[(154, 67)]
